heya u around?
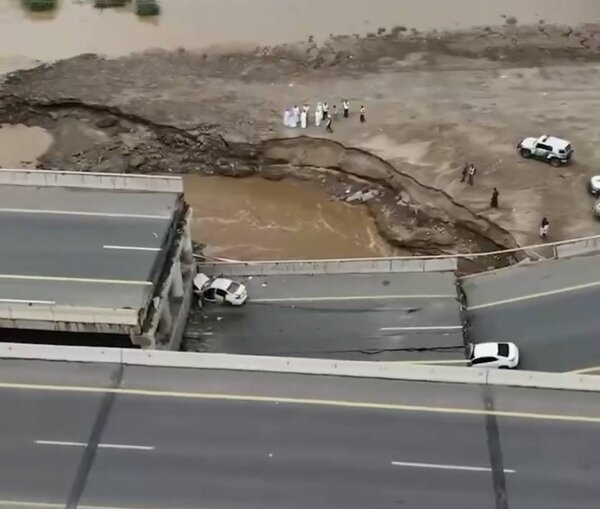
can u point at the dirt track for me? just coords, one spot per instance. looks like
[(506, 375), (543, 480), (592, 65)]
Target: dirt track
[(433, 102)]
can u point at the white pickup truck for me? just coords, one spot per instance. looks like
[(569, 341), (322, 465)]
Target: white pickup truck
[(555, 151)]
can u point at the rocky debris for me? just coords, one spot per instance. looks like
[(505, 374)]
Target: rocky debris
[(362, 196)]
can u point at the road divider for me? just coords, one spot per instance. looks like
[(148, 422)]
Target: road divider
[(318, 367)]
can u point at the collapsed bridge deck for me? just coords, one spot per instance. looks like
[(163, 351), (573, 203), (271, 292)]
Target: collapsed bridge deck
[(91, 253)]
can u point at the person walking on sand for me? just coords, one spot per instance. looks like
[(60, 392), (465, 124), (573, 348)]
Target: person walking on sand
[(325, 110), (472, 171), (295, 116), (346, 107), (544, 227), (303, 118), (465, 172), (318, 114), (362, 115), (494, 200), (328, 125)]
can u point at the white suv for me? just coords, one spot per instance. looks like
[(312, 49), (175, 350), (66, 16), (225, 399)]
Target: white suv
[(546, 148)]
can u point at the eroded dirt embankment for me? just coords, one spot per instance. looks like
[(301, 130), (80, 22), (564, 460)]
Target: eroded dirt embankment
[(409, 215)]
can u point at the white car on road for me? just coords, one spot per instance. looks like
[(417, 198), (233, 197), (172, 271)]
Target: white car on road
[(551, 149), (494, 355), (220, 290)]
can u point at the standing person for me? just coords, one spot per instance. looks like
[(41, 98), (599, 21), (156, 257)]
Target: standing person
[(362, 114), (318, 114), (544, 227), (328, 125), (494, 200), (472, 171), (304, 117), (295, 116), (325, 110), (346, 106), (286, 117), (335, 111), (465, 172)]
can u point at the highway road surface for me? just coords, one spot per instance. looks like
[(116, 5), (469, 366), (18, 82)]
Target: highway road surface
[(549, 309), (223, 440), (400, 316), (82, 248)]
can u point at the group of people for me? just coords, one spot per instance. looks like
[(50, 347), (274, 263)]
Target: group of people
[(468, 174), (297, 117)]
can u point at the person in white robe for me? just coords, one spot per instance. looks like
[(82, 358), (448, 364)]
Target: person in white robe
[(286, 117), (318, 114), (303, 118), (295, 116)]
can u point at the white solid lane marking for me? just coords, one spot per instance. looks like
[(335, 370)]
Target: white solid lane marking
[(27, 277), (354, 297), (12, 504), (100, 446), (532, 296), (81, 213), (25, 301), (132, 248), (424, 328), (448, 467)]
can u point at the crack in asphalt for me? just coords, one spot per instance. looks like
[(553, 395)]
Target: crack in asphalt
[(495, 450), (89, 454)]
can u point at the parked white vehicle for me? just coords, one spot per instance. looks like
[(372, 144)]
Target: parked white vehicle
[(494, 355), (555, 151), (594, 186), (220, 290)]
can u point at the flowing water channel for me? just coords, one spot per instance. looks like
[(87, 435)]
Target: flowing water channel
[(256, 219), (20, 146)]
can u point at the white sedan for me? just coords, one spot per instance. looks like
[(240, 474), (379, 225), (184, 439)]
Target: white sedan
[(494, 355), (220, 290)]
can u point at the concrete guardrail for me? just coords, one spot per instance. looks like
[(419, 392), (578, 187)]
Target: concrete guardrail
[(329, 267), (109, 181), (578, 247), (354, 369)]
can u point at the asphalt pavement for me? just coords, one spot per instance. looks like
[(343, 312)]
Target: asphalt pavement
[(549, 309), (400, 316), (78, 247), (248, 441)]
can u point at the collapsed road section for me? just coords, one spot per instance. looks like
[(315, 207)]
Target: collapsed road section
[(95, 253), (378, 310)]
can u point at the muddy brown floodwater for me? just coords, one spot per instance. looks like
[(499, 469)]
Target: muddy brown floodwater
[(20, 145), (256, 219), (75, 27)]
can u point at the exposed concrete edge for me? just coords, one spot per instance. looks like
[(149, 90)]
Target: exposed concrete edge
[(90, 180), (323, 367), (54, 314)]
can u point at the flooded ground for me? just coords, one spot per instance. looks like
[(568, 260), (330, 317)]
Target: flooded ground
[(20, 145), (76, 27), (256, 219)]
